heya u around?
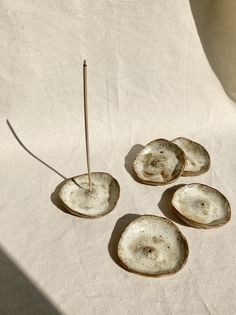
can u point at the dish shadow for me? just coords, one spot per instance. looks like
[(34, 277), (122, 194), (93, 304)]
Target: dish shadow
[(166, 207), (215, 23), (119, 228), (56, 200), (129, 159)]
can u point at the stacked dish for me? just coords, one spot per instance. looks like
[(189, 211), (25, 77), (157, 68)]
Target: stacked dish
[(161, 161)]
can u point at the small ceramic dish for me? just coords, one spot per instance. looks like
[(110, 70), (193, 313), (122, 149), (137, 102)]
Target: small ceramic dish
[(77, 198), (197, 157), (201, 206), (152, 246), (160, 162)]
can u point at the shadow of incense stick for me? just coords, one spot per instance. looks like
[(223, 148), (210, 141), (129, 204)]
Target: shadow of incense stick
[(32, 154)]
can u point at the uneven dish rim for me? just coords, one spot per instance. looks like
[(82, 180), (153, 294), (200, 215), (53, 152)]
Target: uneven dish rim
[(153, 182), (197, 224), (200, 172), (82, 215), (185, 242)]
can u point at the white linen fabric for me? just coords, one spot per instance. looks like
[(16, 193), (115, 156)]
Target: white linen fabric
[(148, 78)]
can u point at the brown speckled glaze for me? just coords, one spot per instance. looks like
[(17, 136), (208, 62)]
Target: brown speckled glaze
[(95, 204), (197, 158), (201, 206), (160, 162), (152, 246)]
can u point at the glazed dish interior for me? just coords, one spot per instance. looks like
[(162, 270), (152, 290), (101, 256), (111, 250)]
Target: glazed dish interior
[(76, 196), (152, 245), (160, 161), (197, 158), (201, 203)]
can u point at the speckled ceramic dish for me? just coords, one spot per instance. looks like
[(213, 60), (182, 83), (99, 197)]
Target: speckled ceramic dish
[(201, 206), (197, 157), (77, 198), (160, 162), (152, 246)]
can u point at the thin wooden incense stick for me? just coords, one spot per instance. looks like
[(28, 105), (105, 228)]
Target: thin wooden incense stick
[(86, 123)]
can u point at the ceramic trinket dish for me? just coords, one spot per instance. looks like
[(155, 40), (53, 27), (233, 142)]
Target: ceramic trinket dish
[(201, 206), (103, 197), (152, 246), (160, 162), (197, 157)]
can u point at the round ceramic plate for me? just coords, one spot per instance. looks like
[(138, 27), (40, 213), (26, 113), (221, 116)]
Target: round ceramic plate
[(197, 157), (201, 206), (160, 162), (77, 198), (152, 246)]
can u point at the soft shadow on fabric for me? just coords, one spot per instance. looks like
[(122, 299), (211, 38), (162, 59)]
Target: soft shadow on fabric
[(119, 228), (166, 207), (216, 23), (29, 152), (18, 295), (129, 159), (55, 195)]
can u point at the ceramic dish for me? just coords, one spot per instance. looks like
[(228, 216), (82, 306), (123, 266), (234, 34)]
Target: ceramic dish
[(201, 206), (77, 198), (160, 162), (152, 246), (197, 157)]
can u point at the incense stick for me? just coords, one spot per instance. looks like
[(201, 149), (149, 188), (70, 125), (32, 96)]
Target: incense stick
[(86, 123)]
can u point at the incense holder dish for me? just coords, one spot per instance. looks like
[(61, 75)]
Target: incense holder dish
[(201, 206), (80, 201), (197, 157), (160, 162), (152, 246)]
